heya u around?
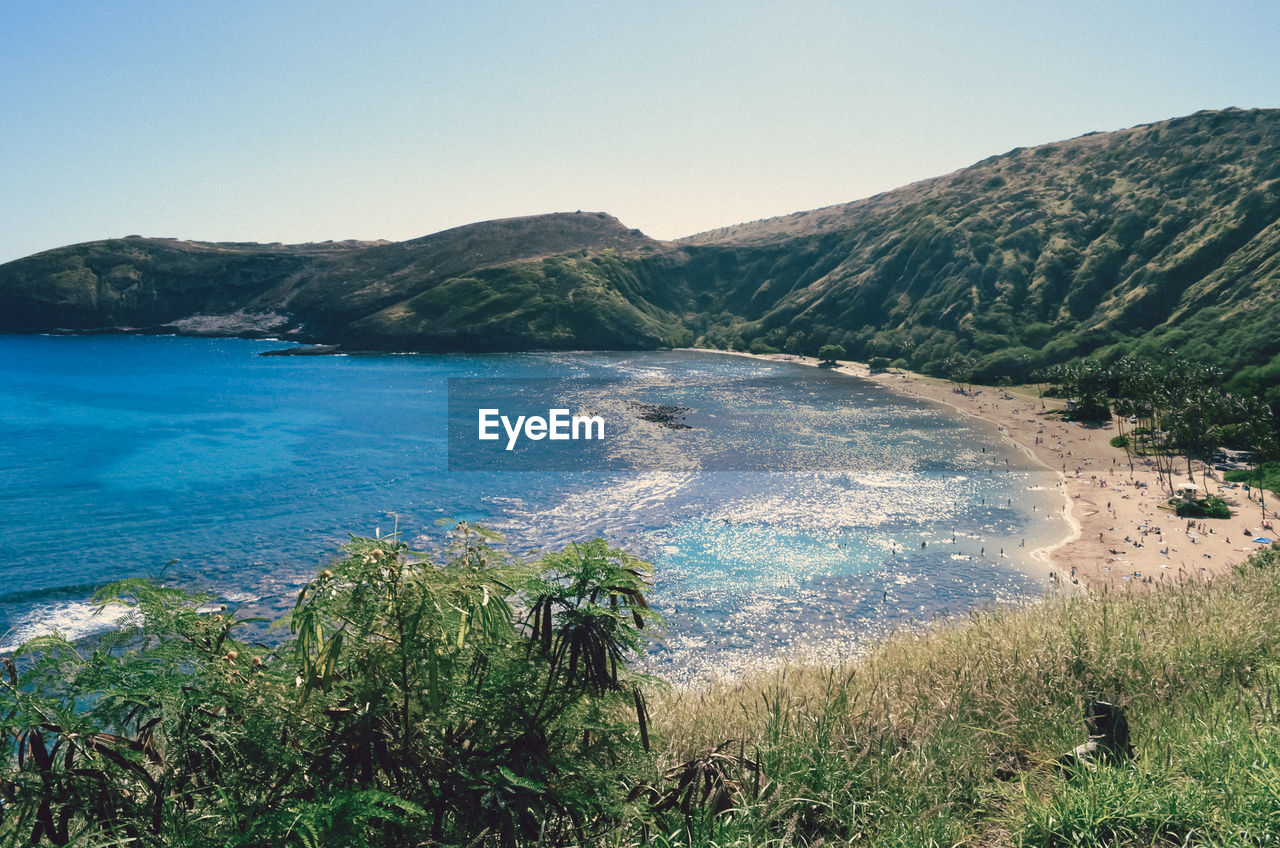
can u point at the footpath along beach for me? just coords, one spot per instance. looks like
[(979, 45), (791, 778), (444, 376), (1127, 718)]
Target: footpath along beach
[(1121, 536)]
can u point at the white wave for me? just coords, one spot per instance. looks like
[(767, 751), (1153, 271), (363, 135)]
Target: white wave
[(71, 620)]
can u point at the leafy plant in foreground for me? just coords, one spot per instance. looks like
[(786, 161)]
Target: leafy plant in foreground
[(469, 698)]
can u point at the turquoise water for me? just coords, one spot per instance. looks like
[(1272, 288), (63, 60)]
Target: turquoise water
[(124, 455)]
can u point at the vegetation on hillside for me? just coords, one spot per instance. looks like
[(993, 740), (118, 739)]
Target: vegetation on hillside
[(547, 281), (1161, 237), (561, 302)]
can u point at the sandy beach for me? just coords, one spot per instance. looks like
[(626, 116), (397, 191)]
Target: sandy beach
[(1121, 536)]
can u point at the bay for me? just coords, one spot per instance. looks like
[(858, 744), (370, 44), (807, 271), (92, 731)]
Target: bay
[(831, 512)]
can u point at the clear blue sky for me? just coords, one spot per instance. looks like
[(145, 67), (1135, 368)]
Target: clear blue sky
[(306, 121)]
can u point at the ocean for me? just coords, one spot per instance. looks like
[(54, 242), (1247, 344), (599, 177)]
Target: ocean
[(788, 511)]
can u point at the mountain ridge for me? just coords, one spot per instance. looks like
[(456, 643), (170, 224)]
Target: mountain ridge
[(1159, 235)]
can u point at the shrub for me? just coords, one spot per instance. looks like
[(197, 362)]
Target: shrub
[(1119, 441), (1209, 507), (418, 701), (1090, 408), (828, 354)]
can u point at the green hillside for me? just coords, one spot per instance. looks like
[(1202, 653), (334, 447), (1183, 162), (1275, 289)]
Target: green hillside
[(547, 281), (1163, 236)]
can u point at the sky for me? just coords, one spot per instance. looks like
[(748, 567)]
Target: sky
[(308, 121)]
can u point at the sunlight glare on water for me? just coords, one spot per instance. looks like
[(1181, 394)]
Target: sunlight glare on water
[(122, 454)]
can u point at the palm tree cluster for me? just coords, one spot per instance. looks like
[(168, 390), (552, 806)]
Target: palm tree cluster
[(1169, 410)]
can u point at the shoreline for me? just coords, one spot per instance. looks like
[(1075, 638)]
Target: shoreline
[(1119, 535)]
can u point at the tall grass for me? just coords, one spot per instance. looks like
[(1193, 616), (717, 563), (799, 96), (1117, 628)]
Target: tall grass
[(952, 736)]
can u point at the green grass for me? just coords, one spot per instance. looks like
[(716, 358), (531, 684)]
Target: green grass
[(951, 737), (1266, 475)]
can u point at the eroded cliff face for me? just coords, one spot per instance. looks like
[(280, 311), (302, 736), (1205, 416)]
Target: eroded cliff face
[(140, 283)]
